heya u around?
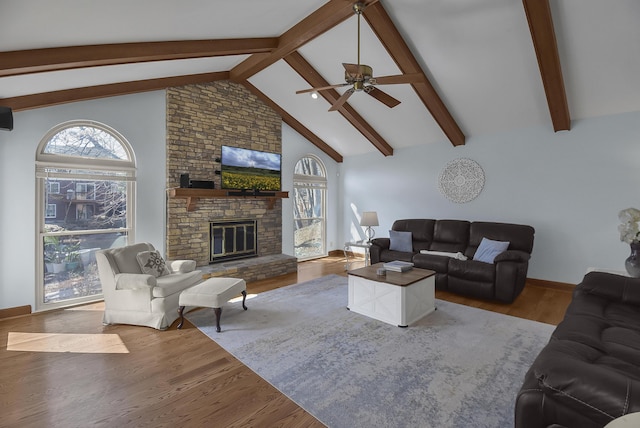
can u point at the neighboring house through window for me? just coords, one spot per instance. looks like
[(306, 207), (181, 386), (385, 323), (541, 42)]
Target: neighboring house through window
[(85, 182)]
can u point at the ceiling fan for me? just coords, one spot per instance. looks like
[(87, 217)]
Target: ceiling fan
[(360, 78)]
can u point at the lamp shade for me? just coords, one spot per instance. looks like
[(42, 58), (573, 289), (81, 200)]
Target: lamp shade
[(369, 218)]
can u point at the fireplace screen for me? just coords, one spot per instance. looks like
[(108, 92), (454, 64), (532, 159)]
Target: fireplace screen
[(233, 240)]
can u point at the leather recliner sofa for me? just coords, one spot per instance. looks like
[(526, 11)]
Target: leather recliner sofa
[(502, 280), (589, 372)]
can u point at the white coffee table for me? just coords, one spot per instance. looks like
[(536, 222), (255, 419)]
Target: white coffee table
[(395, 298), (630, 420)]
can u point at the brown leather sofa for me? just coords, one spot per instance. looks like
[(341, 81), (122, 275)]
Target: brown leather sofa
[(589, 372), (502, 280)]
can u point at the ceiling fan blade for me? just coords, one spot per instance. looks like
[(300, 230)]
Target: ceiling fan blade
[(399, 78), (343, 99), (323, 88), (381, 96)]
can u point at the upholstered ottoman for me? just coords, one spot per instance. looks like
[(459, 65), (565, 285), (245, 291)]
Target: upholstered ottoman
[(212, 293)]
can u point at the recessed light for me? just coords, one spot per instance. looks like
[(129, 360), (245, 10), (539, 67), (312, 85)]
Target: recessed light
[(314, 95)]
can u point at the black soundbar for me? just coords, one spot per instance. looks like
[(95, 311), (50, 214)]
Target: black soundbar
[(248, 192), (201, 184)]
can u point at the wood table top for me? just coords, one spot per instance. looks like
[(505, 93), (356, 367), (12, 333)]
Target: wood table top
[(396, 278)]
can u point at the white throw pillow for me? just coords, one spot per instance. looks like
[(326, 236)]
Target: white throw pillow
[(152, 263)]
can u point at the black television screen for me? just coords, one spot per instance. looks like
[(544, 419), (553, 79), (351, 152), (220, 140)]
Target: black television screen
[(249, 169)]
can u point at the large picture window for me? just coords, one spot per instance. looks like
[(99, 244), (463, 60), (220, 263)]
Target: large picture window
[(309, 196), (85, 179)]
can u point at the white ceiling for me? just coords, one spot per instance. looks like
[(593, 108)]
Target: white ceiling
[(478, 55)]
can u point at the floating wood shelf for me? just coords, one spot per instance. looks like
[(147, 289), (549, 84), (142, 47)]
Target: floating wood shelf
[(192, 195)]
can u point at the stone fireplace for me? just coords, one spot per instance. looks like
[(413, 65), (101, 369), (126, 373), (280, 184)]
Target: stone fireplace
[(233, 239), (200, 120)]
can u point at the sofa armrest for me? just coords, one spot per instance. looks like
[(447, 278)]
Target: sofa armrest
[(612, 287), (134, 281), (383, 243), (377, 246), (575, 381), (512, 256), (181, 266)]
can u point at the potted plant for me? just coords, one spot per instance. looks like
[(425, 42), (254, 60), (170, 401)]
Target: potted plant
[(54, 254), (72, 256)]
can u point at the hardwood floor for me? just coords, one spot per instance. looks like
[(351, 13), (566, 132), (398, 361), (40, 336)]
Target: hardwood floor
[(173, 377)]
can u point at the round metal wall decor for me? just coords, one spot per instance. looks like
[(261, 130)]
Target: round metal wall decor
[(461, 180)]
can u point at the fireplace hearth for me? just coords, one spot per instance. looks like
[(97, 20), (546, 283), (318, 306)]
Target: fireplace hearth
[(233, 239)]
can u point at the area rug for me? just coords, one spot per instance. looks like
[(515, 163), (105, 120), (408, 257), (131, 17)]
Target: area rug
[(457, 367)]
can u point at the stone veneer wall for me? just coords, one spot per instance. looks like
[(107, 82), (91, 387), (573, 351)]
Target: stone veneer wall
[(200, 119)]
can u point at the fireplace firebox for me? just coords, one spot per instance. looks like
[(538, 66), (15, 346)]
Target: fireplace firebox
[(233, 239)]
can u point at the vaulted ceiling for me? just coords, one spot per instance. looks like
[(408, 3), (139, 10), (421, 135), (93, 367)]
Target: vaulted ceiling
[(482, 66)]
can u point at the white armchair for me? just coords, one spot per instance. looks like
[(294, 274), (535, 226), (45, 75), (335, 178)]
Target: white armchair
[(134, 297)]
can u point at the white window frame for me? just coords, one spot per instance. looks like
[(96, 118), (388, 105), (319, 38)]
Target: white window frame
[(77, 168)]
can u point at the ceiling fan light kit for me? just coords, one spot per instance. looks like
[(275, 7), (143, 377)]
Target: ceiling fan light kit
[(360, 78)]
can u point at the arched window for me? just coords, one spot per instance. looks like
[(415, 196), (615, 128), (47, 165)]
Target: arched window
[(85, 185), (309, 208)]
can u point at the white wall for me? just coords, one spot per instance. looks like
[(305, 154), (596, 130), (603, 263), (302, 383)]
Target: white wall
[(139, 118), (294, 147), (569, 185)]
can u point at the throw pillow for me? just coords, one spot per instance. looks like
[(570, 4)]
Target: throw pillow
[(152, 263), (488, 250), (401, 241)]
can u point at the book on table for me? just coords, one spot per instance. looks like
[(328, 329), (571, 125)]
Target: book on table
[(398, 266)]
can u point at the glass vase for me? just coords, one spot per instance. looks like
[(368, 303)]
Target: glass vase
[(632, 263)]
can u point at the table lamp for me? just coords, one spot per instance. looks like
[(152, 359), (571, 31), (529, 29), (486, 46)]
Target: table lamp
[(369, 219)]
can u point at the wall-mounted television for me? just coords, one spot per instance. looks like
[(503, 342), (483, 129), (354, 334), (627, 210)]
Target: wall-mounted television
[(245, 169)]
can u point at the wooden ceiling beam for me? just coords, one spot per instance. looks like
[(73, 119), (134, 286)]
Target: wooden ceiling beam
[(292, 122), (47, 99), (545, 44), (65, 58), (386, 31), (325, 18), (308, 73)]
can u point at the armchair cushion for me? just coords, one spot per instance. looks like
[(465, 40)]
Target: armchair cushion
[(125, 259), (167, 285), (133, 281), (152, 263), (181, 266)]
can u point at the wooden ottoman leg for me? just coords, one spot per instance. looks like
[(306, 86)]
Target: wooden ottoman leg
[(180, 312), (244, 297), (218, 312)]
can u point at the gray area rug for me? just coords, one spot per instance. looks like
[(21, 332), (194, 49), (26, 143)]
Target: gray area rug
[(457, 367)]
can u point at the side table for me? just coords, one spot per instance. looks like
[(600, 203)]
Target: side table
[(358, 244)]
